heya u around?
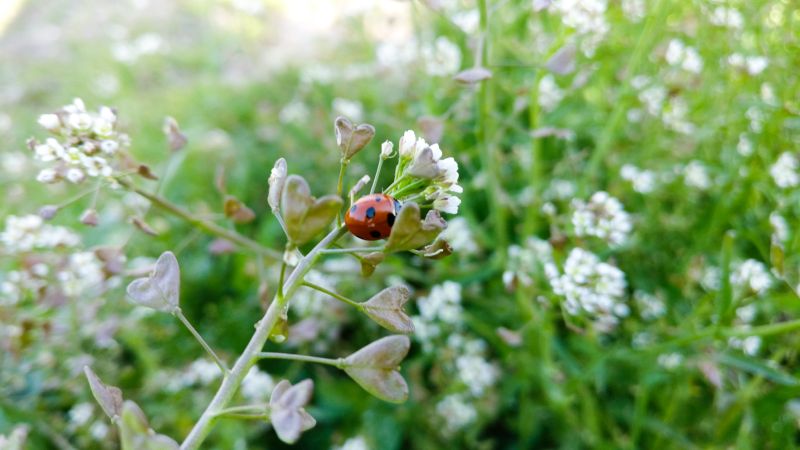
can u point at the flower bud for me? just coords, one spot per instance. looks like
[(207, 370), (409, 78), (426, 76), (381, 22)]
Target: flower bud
[(386, 150), (47, 212), (176, 139), (408, 145), (89, 217), (277, 179), (50, 122)]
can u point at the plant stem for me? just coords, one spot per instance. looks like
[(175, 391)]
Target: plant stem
[(243, 409), (377, 175), (222, 366), (335, 295), (207, 226), (338, 363), (331, 251), (340, 185), (489, 153), (246, 360)]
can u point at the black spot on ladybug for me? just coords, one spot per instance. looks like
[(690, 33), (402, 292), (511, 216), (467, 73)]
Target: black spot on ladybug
[(375, 233), (370, 212), (353, 209), (390, 219), (378, 198)]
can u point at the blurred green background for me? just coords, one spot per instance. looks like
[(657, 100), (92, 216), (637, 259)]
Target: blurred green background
[(580, 90)]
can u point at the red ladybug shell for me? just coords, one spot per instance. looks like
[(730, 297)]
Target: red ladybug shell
[(371, 217)]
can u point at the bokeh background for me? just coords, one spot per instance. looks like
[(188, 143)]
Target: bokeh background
[(687, 112)]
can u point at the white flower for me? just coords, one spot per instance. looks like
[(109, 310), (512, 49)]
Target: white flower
[(443, 303), (459, 236), (294, 112), (25, 233), (550, 95), (634, 10), (744, 146), (442, 58), (50, 122), (589, 286), (103, 128), (47, 176), (727, 17), (751, 275), (354, 443), (670, 361), (643, 181), (108, 146), (650, 306), (352, 109), (75, 175), (679, 54), (476, 372), (603, 217), (80, 121), (386, 149), (98, 430), (779, 226), (756, 64), (80, 414), (588, 19), (696, 175), (784, 171), (257, 385), (447, 204), (408, 145), (456, 411)]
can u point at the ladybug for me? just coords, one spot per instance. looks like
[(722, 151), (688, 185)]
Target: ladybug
[(371, 217)]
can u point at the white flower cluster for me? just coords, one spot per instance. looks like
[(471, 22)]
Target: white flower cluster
[(752, 64), (751, 275), (681, 55), (603, 217), (727, 17), (784, 171), (634, 10), (442, 57), (590, 286), (354, 443), (421, 160), (83, 274), (549, 95), (442, 306), (650, 306), (671, 110), (25, 233), (695, 175), (587, 18), (457, 411), (83, 143), (459, 236), (257, 385), (523, 260), (474, 370), (643, 181)]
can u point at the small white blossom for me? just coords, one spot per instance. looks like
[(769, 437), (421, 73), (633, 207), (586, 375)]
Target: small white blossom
[(784, 171), (456, 411), (751, 275), (257, 385), (780, 226), (696, 175), (670, 361), (727, 17), (50, 122), (603, 217), (550, 95), (442, 58), (386, 149), (643, 181), (589, 285), (80, 414), (459, 236)]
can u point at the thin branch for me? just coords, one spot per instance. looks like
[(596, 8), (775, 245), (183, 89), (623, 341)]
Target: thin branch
[(222, 366), (209, 227), (231, 383), (338, 363), (335, 295)]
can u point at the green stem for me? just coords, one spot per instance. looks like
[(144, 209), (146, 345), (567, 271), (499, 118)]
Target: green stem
[(252, 409), (340, 185), (377, 175), (230, 384), (335, 295), (621, 106), (489, 154), (209, 227), (222, 366), (396, 181), (338, 363)]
